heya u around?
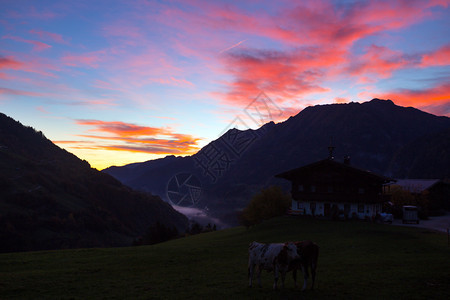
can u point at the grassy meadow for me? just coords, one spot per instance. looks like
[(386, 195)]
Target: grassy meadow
[(357, 260)]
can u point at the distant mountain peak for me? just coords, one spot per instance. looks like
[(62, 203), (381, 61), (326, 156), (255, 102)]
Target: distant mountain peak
[(381, 101)]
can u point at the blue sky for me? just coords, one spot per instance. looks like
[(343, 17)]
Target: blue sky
[(117, 82)]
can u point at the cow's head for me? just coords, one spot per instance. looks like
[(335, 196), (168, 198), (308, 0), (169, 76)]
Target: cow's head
[(288, 253)]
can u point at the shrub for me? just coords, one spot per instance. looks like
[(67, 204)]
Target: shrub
[(269, 203)]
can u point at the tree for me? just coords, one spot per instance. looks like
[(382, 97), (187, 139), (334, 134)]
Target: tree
[(269, 203), (401, 197)]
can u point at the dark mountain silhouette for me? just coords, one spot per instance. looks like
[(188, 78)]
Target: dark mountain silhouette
[(50, 199), (395, 141)]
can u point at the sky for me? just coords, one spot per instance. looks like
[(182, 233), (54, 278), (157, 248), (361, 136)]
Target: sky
[(117, 82)]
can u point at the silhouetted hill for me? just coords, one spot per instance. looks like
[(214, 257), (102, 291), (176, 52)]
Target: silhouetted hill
[(378, 136), (50, 199)]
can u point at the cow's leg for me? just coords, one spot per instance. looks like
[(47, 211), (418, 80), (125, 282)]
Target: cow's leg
[(275, 273), (305, 276), (251, 268), (294, 275), (283, 277), (259, 275), (313, 274)]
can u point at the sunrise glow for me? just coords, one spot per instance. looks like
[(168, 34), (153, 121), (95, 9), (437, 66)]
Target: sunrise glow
[(117, 82)]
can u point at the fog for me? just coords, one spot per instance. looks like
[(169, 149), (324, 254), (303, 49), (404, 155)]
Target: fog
[(200, 216)]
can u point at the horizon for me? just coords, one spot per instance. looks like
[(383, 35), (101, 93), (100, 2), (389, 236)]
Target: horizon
[(118, 83)]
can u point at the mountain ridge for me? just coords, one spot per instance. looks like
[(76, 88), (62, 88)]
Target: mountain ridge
[(50, 199), (374, 134)]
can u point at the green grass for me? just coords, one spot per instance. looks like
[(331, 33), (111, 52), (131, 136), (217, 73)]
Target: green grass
[(357, 261)]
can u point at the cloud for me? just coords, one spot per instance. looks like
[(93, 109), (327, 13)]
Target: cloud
[(126, 31), (38, 46), (135, 138), (27, 64), (440, 57), (200, 216), (341, 100), (172, 81), (285, 75), (379, 61), (49, 36), (8, 91), (10, 63), (31, 13), (435, 99), (319, 46), (90, 59)]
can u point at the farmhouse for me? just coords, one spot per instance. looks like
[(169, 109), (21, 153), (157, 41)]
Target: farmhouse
[(329, 188)]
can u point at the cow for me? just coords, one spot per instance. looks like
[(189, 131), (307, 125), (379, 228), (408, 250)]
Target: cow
[(271, 257), (309, 254)]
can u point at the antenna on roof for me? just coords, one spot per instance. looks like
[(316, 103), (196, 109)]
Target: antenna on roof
[(331, 149)]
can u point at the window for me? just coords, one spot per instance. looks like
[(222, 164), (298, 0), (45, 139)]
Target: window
[(330, 189), (361, 191), (313, 189), (361, 208), (312, 206), (347, 208), (300, 188)]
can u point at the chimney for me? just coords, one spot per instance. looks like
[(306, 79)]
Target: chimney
[(346, 160)]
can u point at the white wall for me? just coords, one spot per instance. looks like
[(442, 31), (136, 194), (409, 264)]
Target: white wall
[(305, 208)]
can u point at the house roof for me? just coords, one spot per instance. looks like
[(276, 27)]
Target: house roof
[(416, 185), (289, 175)]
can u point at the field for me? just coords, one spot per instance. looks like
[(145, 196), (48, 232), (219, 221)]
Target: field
[(357, 260)]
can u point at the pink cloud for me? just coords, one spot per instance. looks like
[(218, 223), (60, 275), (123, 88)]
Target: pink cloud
[(35, 65), (38, 46), (341, 100), (29, 64), (181, 81), (281, 74), (435, 99), (316, 37), (305, 23), (32, 13), (49, 36), (150, 65), (8, 91), (10, 63), (136, 138), (42, 110), (90, 59), (440, 57), (122, 129), (379, 61), (123, 29)]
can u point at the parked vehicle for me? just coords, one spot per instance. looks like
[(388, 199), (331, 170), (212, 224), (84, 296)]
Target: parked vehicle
[(410, 214), (386, 218)]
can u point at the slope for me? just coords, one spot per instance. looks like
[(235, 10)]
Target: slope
[(50, 199), (357, 260)]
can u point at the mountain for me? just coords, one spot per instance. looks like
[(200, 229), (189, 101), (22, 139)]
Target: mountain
[(395, 141), (50, 199)]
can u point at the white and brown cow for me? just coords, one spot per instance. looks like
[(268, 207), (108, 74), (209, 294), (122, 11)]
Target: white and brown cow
[(271, 257), (309, 254)]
